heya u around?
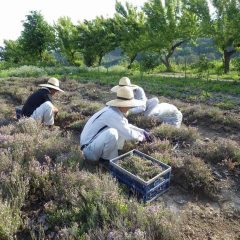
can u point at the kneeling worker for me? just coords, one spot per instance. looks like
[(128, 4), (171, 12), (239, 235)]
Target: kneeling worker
[(106, 131), (138, 93), (39, 105), (167, 113)]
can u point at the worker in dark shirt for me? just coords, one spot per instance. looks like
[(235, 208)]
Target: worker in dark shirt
[(39, 105)]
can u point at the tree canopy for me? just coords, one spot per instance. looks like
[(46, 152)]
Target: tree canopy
[(130, 30), (169, 26), (37, 36), (66, 38), (149, 34)]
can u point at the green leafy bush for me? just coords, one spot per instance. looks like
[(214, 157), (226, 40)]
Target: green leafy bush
[(24, 71)]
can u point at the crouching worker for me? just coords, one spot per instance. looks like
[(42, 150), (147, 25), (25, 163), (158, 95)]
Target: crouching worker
[(39, 105), (106, 131), (138, 93), (165, 112)]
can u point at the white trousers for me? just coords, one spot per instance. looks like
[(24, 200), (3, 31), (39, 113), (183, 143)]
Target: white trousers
[(44, 113), (105, 145)]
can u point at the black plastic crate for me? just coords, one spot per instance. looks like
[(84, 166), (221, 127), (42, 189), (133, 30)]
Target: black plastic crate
[(147, 190)]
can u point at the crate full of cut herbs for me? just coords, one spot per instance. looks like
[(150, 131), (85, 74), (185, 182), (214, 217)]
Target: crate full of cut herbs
[(146, 176)]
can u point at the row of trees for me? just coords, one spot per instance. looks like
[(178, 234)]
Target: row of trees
[(154, 33)]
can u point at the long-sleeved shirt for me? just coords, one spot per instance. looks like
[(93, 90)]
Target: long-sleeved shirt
[(139, 94), (110, 117)]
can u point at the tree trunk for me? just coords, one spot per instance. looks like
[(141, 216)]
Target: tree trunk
[(226, 60), (166, 59), (167, 63), (100, 60), (72, 56), (132, 58)]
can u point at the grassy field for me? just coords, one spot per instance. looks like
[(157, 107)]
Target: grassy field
[(49, 192), (221, 93)]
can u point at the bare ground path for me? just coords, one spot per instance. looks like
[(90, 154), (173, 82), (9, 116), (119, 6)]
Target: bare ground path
[(182, 75)]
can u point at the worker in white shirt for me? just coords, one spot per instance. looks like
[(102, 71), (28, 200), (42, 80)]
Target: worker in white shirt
[(39, 105), (165, 112), (138, 92), (105, 132)]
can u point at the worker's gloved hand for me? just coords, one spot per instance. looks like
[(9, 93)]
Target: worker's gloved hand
[(147, 136)]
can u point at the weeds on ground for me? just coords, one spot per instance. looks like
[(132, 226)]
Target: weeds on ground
[(28, 140), (65, 119), (162, 146), (78, 125), (211, 116), (95, 206), (10, 220), (40, 173), (6, 111), (217, 151), (144, 122), (194, 174), (226, 104), (76, 112), (183, 135)]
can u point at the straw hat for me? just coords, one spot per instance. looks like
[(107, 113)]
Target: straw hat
[(52, 83), (125, 98), (124, 81)]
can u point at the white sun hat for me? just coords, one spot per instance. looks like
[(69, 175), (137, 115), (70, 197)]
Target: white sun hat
[(124, 81), (125, 98), (52, 83)]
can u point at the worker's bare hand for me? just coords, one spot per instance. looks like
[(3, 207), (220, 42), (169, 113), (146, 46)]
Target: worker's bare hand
[(55, 110)]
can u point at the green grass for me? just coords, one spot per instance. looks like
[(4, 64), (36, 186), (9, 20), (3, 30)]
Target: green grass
[(190, 88)]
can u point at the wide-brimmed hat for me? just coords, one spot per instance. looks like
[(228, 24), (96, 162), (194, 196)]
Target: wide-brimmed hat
[(52, 83), (124, 81), (125, 98)]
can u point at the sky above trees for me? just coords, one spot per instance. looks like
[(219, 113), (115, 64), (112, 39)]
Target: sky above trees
[(13, 12)]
